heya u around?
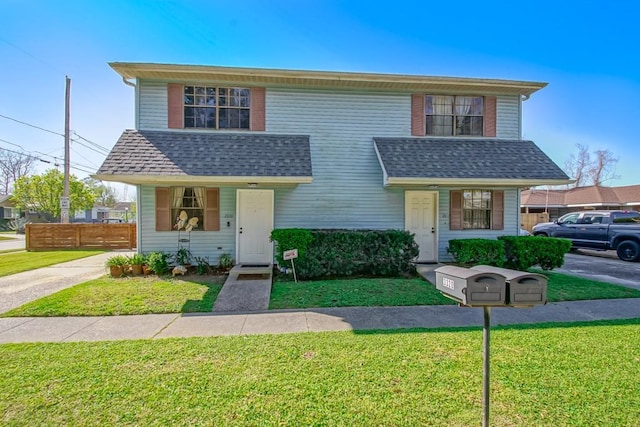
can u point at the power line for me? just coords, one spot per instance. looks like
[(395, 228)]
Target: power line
[(30, 125), (22, 154), (89, 147), (106, 150), (57, 160)]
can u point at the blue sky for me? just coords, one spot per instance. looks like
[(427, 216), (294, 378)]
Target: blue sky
[(586, 50)]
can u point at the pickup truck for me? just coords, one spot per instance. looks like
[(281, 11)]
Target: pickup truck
[(600, 230)]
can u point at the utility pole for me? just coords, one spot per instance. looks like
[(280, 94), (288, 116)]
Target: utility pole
[(64, 200)]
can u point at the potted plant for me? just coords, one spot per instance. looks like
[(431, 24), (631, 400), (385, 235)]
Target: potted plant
[(136, 261), (116, 265), (225, 262)]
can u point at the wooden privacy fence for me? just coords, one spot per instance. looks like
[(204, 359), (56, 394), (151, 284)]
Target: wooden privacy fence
[(80, 236), (528, 220)]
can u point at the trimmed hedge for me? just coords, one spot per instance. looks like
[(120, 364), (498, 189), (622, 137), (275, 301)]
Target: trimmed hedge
[(340, 253), (523, 252), (291, 238), (477, 251), (516, 252)]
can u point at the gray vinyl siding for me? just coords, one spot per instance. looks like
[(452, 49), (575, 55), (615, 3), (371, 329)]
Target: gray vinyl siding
[(511, 222), (152, 110), (209, 244), (508, 117), (347, 187)]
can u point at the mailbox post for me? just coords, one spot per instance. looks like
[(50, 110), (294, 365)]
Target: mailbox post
[(486, 286)]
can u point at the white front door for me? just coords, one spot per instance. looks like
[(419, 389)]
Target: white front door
[(420, 219), (254, 226)]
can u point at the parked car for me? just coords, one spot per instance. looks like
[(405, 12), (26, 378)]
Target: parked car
[(112, 220), (600, 230)]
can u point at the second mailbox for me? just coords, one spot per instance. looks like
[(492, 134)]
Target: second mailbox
[(471, 287)]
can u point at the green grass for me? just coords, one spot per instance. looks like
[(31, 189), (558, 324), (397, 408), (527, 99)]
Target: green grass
[(561, 375), (355, 292), (562, 287), (133, 295), (6, 238), (24, 261), (399, 292), (109, 296)]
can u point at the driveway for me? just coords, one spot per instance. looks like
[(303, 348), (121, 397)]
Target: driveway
[(17, 242), (602, 266)]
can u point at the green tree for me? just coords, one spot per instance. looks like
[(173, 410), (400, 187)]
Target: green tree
[(105, 195), (42, 193)]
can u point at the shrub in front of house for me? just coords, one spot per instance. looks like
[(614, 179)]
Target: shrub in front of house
[(343, 253), (523, 252), (515, 252), (477, 251)]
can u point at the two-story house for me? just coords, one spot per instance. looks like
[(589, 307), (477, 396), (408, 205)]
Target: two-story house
[(246, 150)]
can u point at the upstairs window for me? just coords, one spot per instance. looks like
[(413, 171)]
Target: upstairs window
[(454, 115), (217, 107)]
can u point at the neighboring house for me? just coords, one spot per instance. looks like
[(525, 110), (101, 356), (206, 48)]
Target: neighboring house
[(559, 202), (121, 210), (8, 210), (248, 150)]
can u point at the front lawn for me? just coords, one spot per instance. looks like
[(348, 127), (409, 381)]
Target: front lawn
[(355, 293), (132, 295), (13, 263), (6, 238), (554, 375), (143, 295)]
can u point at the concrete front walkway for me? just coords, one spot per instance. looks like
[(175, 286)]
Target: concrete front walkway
[(154, 326), (246, 289), (18, 289)]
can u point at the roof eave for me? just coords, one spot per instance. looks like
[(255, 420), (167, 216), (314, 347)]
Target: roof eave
[(326, 79), (475, 182), (204, 180)]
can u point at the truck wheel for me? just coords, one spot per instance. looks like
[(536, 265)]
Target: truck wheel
[(628, 250)]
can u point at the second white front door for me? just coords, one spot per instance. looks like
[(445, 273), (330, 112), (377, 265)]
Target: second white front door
[(254, 226), (420, 219)]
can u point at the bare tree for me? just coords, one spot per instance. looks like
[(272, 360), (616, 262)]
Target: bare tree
[(603, 167), (13, 166), (578, 165), (591, 172)]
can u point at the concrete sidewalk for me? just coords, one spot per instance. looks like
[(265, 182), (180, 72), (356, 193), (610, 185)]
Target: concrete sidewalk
[(155, 326)]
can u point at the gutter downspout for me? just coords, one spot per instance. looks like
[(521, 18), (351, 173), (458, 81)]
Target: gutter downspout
[(127, 82), (136, 100)]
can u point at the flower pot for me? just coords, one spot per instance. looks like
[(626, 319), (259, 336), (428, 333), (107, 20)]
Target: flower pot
[(116, 270), (136, 269), (146, 270)]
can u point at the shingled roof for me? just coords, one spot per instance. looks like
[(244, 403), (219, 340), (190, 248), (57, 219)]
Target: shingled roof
[(592, 195), (142, 156), (434, 161)]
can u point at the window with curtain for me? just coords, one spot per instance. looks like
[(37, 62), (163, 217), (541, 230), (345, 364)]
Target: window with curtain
[(191, 200), (476, 209), (454, 115), (217, 107)]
